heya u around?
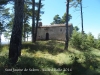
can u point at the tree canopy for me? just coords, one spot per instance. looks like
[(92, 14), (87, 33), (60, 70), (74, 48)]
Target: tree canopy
[(58, 20)]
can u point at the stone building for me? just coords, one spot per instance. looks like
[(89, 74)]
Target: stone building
[(53, 32)]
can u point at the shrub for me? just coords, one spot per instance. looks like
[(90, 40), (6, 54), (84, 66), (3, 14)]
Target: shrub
[(79, 41), (90, 39), (98, 44)]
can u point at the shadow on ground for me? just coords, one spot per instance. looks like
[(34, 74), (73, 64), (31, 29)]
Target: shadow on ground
[(89, 67), (32, 66), (37, 66), (91, 64), (49, 46)]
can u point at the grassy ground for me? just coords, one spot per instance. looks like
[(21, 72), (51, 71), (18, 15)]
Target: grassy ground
[(50, 58)]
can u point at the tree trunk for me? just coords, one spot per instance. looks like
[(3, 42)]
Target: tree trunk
[(67, 38), (27, 36), (24, 26), (0, 38), (33, 21), (37, 20), (81, 16), (16, 37)]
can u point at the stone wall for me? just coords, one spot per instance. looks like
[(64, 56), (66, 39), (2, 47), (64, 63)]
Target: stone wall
[(53, 32)]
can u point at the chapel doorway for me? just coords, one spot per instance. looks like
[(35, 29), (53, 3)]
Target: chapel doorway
[(47, 36)]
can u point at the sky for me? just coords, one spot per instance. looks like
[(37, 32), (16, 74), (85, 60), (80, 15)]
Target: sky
[(91, 14)]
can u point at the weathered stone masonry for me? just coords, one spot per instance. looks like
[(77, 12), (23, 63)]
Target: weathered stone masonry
[(53, 32)]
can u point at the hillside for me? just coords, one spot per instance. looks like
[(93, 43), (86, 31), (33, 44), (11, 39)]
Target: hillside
[(49, 58)]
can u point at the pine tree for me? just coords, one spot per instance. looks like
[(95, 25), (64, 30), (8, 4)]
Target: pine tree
[(67, 38), (16, 36)]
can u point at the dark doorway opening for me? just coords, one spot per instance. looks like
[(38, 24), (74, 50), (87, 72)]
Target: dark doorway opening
[(47, 36)]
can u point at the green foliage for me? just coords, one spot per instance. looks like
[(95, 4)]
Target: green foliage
[(2, 28), (81, 62), (58, 20), (4, 15), (29, 10), (27, 30), (95, 43), (98, 42), (63, 20), (84, 41), (27, 16), (99, 36), (79, 41), (75, 3), (45, 46), (29, 62), (9, 26), (76, 28), (3, 2), (90, 40)]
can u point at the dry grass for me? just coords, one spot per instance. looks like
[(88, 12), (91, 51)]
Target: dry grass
[(51, 54)]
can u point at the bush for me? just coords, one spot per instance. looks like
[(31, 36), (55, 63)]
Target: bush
[(98, 44), (91, 40), (84, 41), (79, 41)]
